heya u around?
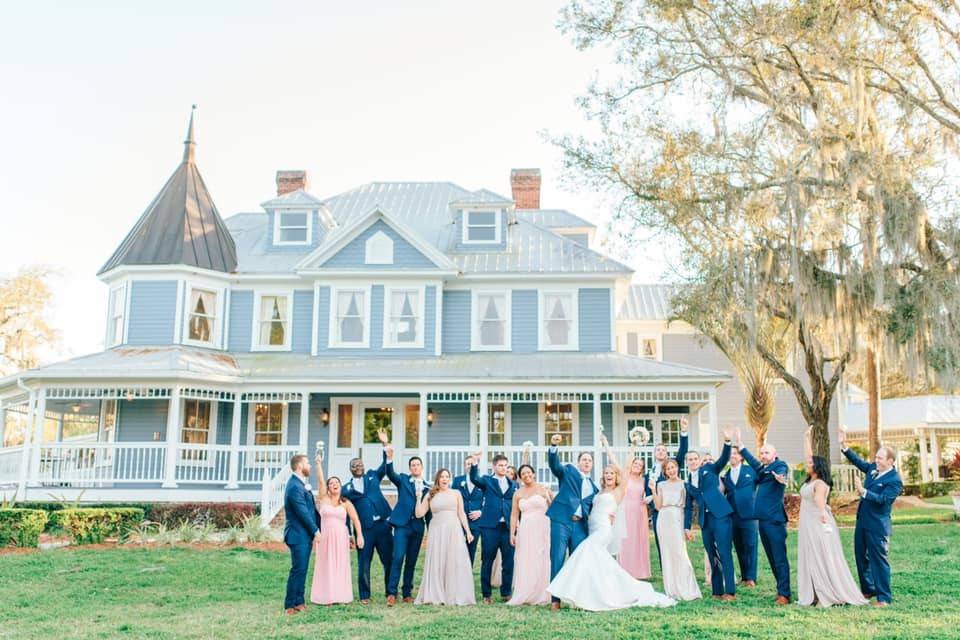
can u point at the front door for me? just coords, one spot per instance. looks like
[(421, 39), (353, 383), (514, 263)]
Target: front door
[(374, 418)]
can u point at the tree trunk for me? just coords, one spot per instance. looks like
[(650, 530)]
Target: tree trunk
[(873, 402)]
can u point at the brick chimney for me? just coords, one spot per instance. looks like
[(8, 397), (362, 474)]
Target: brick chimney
[(288, 181), (525, 185)]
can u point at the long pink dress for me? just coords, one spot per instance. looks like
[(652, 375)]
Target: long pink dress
[(531, 561), (331, 570), (635, 548)]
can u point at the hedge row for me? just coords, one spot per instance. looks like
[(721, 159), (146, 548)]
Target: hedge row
[(220, 514), (21, 527), (94, 525), (931, 489)]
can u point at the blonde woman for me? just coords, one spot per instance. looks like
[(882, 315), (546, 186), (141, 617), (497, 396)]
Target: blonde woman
[(591, 578)]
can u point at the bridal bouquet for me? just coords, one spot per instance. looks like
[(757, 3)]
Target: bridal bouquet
[(639, 435)]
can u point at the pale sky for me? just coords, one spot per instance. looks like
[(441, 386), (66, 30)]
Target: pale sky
[(94, 104)]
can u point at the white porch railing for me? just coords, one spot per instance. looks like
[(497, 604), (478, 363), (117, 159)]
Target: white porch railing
[(203, 464), (272, 495), (10, 460), (262, 463)]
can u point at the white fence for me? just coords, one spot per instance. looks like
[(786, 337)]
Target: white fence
[(272, 495), (259, 463), (10, 461)]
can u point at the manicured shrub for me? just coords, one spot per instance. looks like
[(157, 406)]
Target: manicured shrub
[(930, 489), (60, 505), (94, 525), (221, 515), (21, 527)]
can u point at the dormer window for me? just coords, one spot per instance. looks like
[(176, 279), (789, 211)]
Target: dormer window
[(292, 227), (482, 227)]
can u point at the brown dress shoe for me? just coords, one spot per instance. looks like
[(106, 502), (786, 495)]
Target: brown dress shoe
[(408, 600), (728, 597), (555, 606), (365, 601), (717, 597), (391, 600), (291, 611), (880, 603), (782, 600), (749, 583)]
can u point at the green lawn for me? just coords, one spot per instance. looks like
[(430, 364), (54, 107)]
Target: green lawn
[(235, 592), (940, 500)]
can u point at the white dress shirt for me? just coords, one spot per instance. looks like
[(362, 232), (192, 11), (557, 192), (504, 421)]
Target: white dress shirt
[(735, 473), (586, 489)]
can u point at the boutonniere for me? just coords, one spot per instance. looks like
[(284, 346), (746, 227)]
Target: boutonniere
[(307, 486)]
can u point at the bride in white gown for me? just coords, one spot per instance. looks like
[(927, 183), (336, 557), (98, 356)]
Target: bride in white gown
[(591, 578)]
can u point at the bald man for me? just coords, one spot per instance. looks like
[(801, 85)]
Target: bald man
[(772, 474)]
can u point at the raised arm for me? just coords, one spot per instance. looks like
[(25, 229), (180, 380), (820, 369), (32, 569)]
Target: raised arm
[(382, 469), (611, 459), (684, 441), (851, 455), (321, 485), (724, 458), (553, 457), (808, 444), (750, 460), (391, 473), (355, 519), (475, 476)]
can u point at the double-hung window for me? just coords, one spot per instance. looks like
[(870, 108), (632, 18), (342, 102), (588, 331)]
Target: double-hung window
[(116, 311), (350, 317), (198, 418), (272, 327), (202, 317), (558, 320), (404, 322), (292, 227), (481, 227), (491, 321), (561, 418)]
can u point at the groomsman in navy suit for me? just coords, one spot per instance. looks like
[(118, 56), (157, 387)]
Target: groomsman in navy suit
[(300, 530), (363, 490), (660, 457), (713, 515), (570, 508), (771, 480), (871, 536), (408, 530), (494, 524), (472, 504), (740, 487)]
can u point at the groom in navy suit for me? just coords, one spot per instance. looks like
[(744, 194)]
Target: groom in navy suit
[(871, 536), (739, 483), (494, 524), (772, 474), (408, 529), (713, 515), (373, 510), (300, 530), (570, 508), (472, 505)]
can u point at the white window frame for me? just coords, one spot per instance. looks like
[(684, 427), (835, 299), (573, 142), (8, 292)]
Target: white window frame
[(388, 292), (102, 429), (211, 455), (278, 228), (258, 297), (507, 421), (574, 343), (657, 338), (475, 344), (497, 226), (333, 338), (113, 339), (216, 334), (542, 422), (378, 249), (252, 424)]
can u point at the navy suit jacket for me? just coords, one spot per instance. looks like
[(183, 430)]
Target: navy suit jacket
[(681, 455), (568, 497), (741, 495), (301, 520), (707, 494), (496, 503), (472, 500), (370, 503), (873, 513), (768, 504), (403, 512)]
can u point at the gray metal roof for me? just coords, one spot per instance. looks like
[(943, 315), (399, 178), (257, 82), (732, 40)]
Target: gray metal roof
[(298, 198), (181, 225), (167, 362), (425, 208), (647, 302), (554, 218)]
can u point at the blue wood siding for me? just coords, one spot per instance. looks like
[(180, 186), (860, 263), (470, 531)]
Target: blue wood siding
[(316, 430), (405, 255), (318, 231), (302, 318), (153, 309), (595, 319), (456, 322), (451, 427), (224, 423), (466, 248), (241, 320), (586, 424), (524, 423), (524, 321), (376, 327), (137, 420)]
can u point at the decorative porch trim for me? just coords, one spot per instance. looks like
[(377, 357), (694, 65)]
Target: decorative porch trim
[(208, 394), (542, 396), (656, 396), (272, 396), (453, 396), (108, 393)]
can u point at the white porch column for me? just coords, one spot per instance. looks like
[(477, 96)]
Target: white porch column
[(935, 455), (924, 465), (173, 439), (483, 419), (422, 428), (33, 479), (714, 427), (27, 442), (233, 473), (597, 449), (305, 424)]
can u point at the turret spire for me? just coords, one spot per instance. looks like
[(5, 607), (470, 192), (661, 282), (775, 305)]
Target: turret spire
[(190, 145)]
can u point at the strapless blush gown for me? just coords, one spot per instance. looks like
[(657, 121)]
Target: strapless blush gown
[(331, 570), (531, 568)]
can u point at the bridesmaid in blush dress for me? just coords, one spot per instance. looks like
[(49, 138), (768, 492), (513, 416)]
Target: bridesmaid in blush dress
[(447, 573), (530, 534), (331, 570), (635, 548)]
